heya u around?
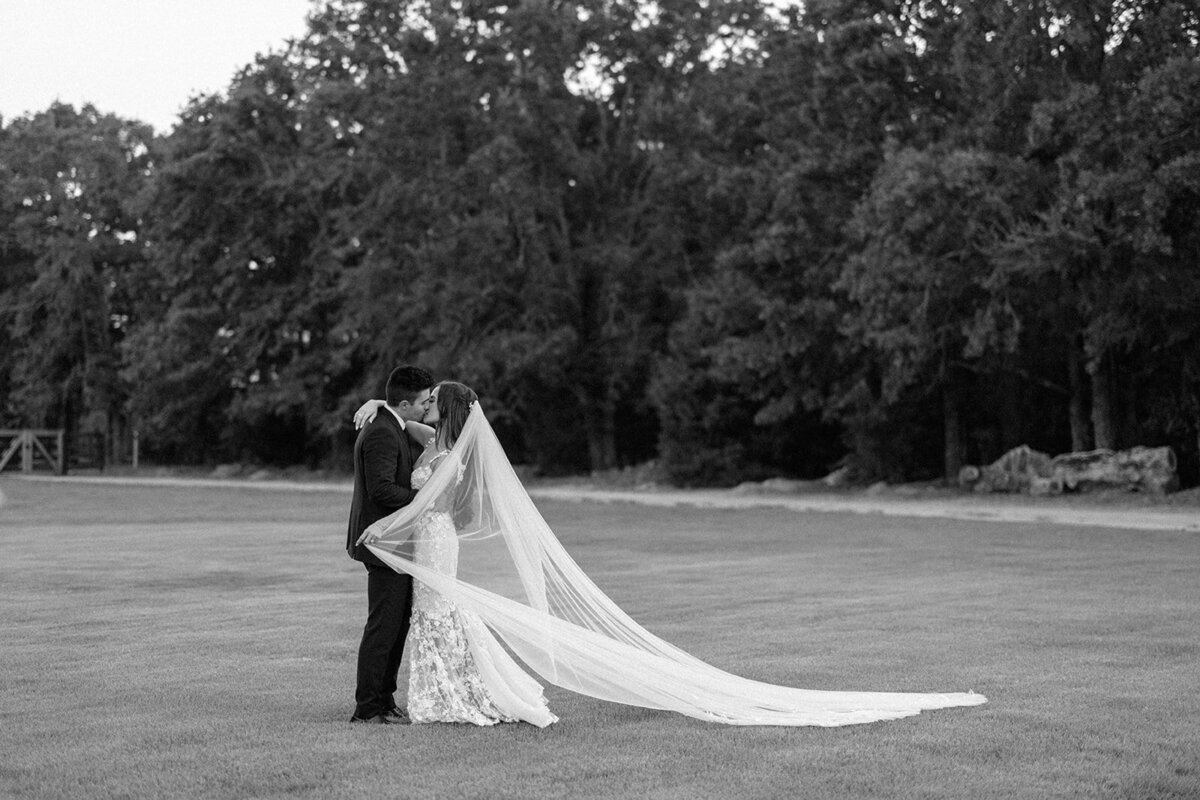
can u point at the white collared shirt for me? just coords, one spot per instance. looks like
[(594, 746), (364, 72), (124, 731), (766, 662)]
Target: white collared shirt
[(399, 418)]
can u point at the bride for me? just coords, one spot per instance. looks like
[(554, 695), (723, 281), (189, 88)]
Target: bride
[(457, 672), (489, 570)]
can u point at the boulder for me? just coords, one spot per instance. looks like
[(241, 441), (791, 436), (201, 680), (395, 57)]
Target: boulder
[(1150, 469), (1023, 469), (1015, 471)]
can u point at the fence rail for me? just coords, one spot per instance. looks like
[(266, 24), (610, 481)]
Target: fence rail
[(32, 444)]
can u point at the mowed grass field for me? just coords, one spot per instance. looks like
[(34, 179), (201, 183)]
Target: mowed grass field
[(163, 642)]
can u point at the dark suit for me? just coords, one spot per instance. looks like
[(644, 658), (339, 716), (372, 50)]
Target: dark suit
[(383, 460)]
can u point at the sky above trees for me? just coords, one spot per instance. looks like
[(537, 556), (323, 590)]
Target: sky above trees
[(139, 59)]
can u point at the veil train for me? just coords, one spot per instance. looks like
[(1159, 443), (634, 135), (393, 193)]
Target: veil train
[(519, 580)]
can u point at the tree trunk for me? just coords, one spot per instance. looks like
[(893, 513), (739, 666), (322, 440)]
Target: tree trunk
[(1011, 428), (1081, 435), (341, 451), (952, 439), (69, 433), (1130, 424), (111, 442), (1103, 419), (600, 423)]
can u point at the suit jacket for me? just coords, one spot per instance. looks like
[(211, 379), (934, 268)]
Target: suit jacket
[(383, 462)]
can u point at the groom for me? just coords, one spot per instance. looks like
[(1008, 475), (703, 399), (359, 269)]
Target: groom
[(383, 461)]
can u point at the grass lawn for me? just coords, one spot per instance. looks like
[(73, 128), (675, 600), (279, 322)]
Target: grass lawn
[(162, 642)]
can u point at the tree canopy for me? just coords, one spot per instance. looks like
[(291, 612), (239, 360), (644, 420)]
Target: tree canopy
[(742, 238)]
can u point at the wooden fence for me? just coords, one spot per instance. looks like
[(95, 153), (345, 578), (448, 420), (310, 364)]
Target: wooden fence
[(32, 444)]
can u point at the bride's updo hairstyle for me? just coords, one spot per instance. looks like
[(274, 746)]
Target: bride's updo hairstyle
[(454, 405)]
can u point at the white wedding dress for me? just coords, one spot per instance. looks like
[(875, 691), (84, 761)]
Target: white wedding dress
[(458, 671), (488, 569)]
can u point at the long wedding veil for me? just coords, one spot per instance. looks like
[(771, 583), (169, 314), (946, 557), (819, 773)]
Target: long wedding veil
[(516, 576)]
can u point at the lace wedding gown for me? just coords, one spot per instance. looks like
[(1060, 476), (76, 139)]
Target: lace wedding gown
[(489, 570), (458, 671)]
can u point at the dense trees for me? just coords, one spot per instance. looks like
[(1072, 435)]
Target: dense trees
[(747, 239), (975, 271), (69, 246)]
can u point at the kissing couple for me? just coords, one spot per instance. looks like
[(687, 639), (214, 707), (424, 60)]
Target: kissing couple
[(462, 566)]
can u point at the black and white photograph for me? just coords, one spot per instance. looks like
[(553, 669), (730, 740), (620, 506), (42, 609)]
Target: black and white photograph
[(559, 399)]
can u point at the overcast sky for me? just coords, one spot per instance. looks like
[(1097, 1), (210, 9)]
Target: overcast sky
[(140, 59)]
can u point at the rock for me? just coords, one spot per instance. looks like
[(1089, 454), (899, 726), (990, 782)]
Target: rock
[(223, 471), (968, 477), (1139, 468), (839, 477), (1043, 487), (1015, 471), (1024, 469)]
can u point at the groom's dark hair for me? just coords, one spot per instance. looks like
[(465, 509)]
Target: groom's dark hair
[(405, 383)]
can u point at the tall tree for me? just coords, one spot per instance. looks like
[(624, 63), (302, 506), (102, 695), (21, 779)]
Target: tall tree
[(519, 150), (837, 83), (72, 243), (244, 289), (1106, 243), (918, 283)]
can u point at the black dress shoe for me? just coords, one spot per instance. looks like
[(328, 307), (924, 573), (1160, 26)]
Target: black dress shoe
[(378, 719), (396, 716)]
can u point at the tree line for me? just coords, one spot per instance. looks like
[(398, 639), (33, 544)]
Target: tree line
[(740, 237)]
